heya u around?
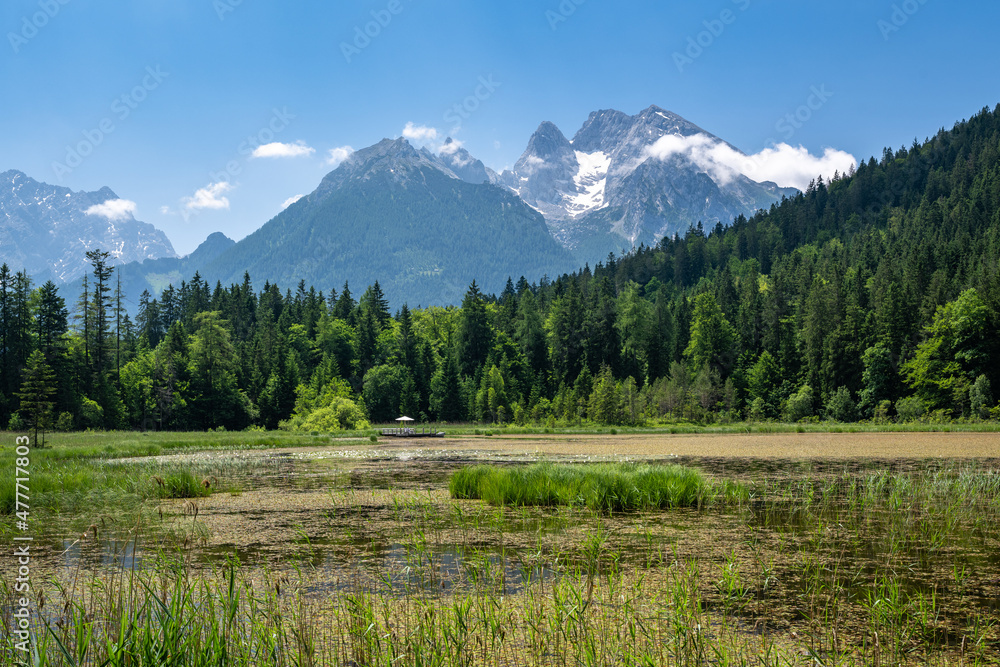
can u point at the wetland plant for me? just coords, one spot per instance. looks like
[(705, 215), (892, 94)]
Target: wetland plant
[(600, 487)]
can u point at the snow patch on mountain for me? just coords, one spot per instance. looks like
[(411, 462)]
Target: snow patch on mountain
[(591, 181)]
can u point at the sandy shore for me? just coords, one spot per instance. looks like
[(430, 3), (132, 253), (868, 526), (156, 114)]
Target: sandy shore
[(778, 445)]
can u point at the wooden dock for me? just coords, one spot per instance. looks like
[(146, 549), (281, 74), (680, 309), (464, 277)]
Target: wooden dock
[(410, 433)]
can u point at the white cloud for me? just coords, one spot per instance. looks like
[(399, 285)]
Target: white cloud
[(788, 166), (210, 196), (278, 149), (450, 147), (166, 210), (337, 155), (419, 133), (449, 152), (113, 209), (290, 201)]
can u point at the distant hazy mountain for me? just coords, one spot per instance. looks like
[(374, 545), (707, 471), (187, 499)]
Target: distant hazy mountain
[(423, 225), (153, 275), (455, 159), (47, 230), (603, 191)]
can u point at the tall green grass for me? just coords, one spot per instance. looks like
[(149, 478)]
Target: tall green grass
[(601, 487), (77, 485)]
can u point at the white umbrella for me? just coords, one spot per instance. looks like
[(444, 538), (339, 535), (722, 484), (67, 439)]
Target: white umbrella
[(405, 419)]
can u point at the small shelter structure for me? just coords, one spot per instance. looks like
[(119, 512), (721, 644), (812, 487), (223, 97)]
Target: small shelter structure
[(406, 431)]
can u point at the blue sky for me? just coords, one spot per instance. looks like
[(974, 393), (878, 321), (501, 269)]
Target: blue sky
[(170, 97)]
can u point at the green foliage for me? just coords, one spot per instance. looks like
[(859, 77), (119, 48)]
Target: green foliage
[(64, 422), (91, 414), (981, 398), (326, 411), (16, 423), (446, 399), (841, 407), (880, 379), (713, 338), (183, 485), (383, 387), (36, 395), (911, 408), (764, 384), (882, 412), (799, 405), (957, 350)]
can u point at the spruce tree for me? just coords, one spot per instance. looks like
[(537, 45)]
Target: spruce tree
[(101, 304), (36, 395)]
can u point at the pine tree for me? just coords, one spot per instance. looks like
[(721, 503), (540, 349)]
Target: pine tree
[(8, 379), (36, 394), (374, 299), (474, 334), (119, 311), (344, 310), (446, 391), (101, 304)]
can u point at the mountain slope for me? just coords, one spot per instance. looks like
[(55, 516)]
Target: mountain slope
[(153, 275), (394, 214), (603, 191), (46, 229)]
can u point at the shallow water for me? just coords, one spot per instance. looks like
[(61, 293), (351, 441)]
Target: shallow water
[(402, 551)]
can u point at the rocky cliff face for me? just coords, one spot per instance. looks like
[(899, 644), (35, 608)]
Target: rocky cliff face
[(47, 230), (605, 190)]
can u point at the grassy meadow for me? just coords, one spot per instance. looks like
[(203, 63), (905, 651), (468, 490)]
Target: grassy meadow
[(318, 549)]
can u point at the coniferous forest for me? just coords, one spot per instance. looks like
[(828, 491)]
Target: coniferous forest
[(875, 296)]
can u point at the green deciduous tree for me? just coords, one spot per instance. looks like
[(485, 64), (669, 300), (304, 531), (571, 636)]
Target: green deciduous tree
[(981, 398), (713, 339), (841, 407), (383, 386), (957, 348)]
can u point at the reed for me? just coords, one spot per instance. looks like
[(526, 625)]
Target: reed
[(600, 487)]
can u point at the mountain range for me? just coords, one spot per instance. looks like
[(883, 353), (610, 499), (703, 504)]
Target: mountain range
[(47, 230), (605, 191), (424, 223)]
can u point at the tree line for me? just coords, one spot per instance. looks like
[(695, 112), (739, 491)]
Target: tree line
[(873, 296)]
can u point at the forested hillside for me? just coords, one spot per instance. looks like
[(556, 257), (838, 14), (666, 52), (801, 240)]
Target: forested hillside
[(875, 296), (390, 213)]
